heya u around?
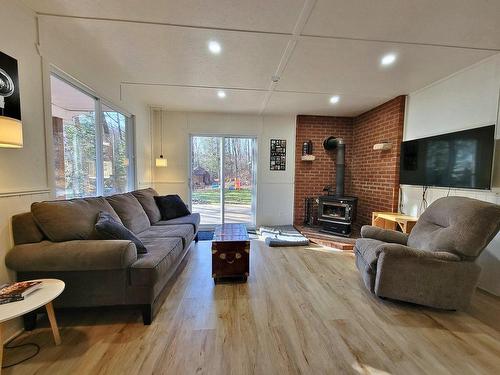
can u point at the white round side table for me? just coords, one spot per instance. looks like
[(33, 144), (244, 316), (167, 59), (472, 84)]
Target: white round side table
[(50, 290)]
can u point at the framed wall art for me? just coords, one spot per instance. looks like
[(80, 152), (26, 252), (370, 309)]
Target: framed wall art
[(278, 155), (10, 103)]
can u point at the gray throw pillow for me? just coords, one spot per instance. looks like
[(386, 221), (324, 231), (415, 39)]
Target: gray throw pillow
[(109, 229), (171, 206)]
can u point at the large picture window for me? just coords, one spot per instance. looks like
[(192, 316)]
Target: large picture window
[(89, 159)]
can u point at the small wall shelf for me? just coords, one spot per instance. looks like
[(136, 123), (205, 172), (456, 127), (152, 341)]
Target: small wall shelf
[(308, 157)]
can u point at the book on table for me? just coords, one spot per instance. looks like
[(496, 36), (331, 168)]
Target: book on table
[(13, 292)]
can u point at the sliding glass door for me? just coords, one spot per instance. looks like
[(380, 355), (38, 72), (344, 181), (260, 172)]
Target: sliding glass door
[(238, 169), (223, 179), (206, 193)]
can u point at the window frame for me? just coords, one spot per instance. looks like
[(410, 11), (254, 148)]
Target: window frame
[(100, 102)]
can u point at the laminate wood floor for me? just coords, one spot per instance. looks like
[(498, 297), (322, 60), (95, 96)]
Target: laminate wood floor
[(303, 311)]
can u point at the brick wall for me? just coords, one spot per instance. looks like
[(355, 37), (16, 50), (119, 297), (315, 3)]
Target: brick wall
[(312, 177), (372, 176), (375, 179)]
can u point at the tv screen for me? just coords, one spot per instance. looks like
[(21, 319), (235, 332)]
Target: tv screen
[(459, 160)]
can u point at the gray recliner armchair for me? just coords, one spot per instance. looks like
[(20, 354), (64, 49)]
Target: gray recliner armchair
[(434, 265)]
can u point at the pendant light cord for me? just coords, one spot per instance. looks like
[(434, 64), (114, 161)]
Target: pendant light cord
[(161, 134)]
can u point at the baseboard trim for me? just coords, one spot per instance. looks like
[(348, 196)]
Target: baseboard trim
[(482, 289)]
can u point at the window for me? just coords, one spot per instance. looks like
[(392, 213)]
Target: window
[(89, 160), (115, 156)]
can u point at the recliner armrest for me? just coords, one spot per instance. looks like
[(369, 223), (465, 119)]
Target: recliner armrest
[(396, 250), (80, 255), (385, 235)]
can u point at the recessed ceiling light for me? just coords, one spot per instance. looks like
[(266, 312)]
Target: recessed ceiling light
[(388, 59), (334, 99), (221, 94), (214, 47)]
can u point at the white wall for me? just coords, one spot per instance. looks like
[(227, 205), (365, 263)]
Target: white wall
[(98, 70), (274, 188), (465, 100), (24, 176), (23, 172)]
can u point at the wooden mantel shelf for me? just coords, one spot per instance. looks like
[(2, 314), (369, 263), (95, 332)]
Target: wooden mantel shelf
[(308, 158)]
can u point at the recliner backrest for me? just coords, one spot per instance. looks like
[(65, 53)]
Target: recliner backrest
[(460, 225)]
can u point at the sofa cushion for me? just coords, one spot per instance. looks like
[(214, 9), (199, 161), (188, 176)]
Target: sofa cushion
[(183, 231), (367, 251), (162, 254), (171, 206), (130, 211), (72, 219), (25, 230), (147, 201), (193, 219), (110, 229), (456, 224)]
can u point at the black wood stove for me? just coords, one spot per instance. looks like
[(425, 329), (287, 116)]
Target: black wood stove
[(337, 212)]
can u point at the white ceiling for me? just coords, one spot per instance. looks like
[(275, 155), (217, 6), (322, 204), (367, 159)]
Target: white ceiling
[(344, 66), (259, 15), (464, 23), (202, 99), (318, 48), (68, 98)]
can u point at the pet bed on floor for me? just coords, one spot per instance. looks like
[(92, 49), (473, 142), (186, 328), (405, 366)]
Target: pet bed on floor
[(282, 235)]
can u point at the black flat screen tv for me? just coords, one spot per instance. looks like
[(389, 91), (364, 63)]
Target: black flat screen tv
[(457, 160)]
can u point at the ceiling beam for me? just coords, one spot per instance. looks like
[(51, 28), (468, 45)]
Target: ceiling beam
[(128, 83), (304, 15)]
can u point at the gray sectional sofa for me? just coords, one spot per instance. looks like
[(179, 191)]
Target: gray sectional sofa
[(57, 239)]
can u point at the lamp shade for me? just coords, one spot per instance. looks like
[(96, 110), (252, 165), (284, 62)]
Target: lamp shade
[(161, 161), (11, 132)]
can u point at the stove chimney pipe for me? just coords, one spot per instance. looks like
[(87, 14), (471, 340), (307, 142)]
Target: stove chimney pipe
[(340, 168), (332, 143)]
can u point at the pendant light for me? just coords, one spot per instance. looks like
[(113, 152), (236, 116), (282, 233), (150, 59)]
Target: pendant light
[(11, 133), (161, 162)]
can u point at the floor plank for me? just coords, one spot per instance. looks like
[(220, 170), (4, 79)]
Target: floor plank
[(302, 311)]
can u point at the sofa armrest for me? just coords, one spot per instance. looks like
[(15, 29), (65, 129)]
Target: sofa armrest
[(385, 235), (438, 279), (80, 255)]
